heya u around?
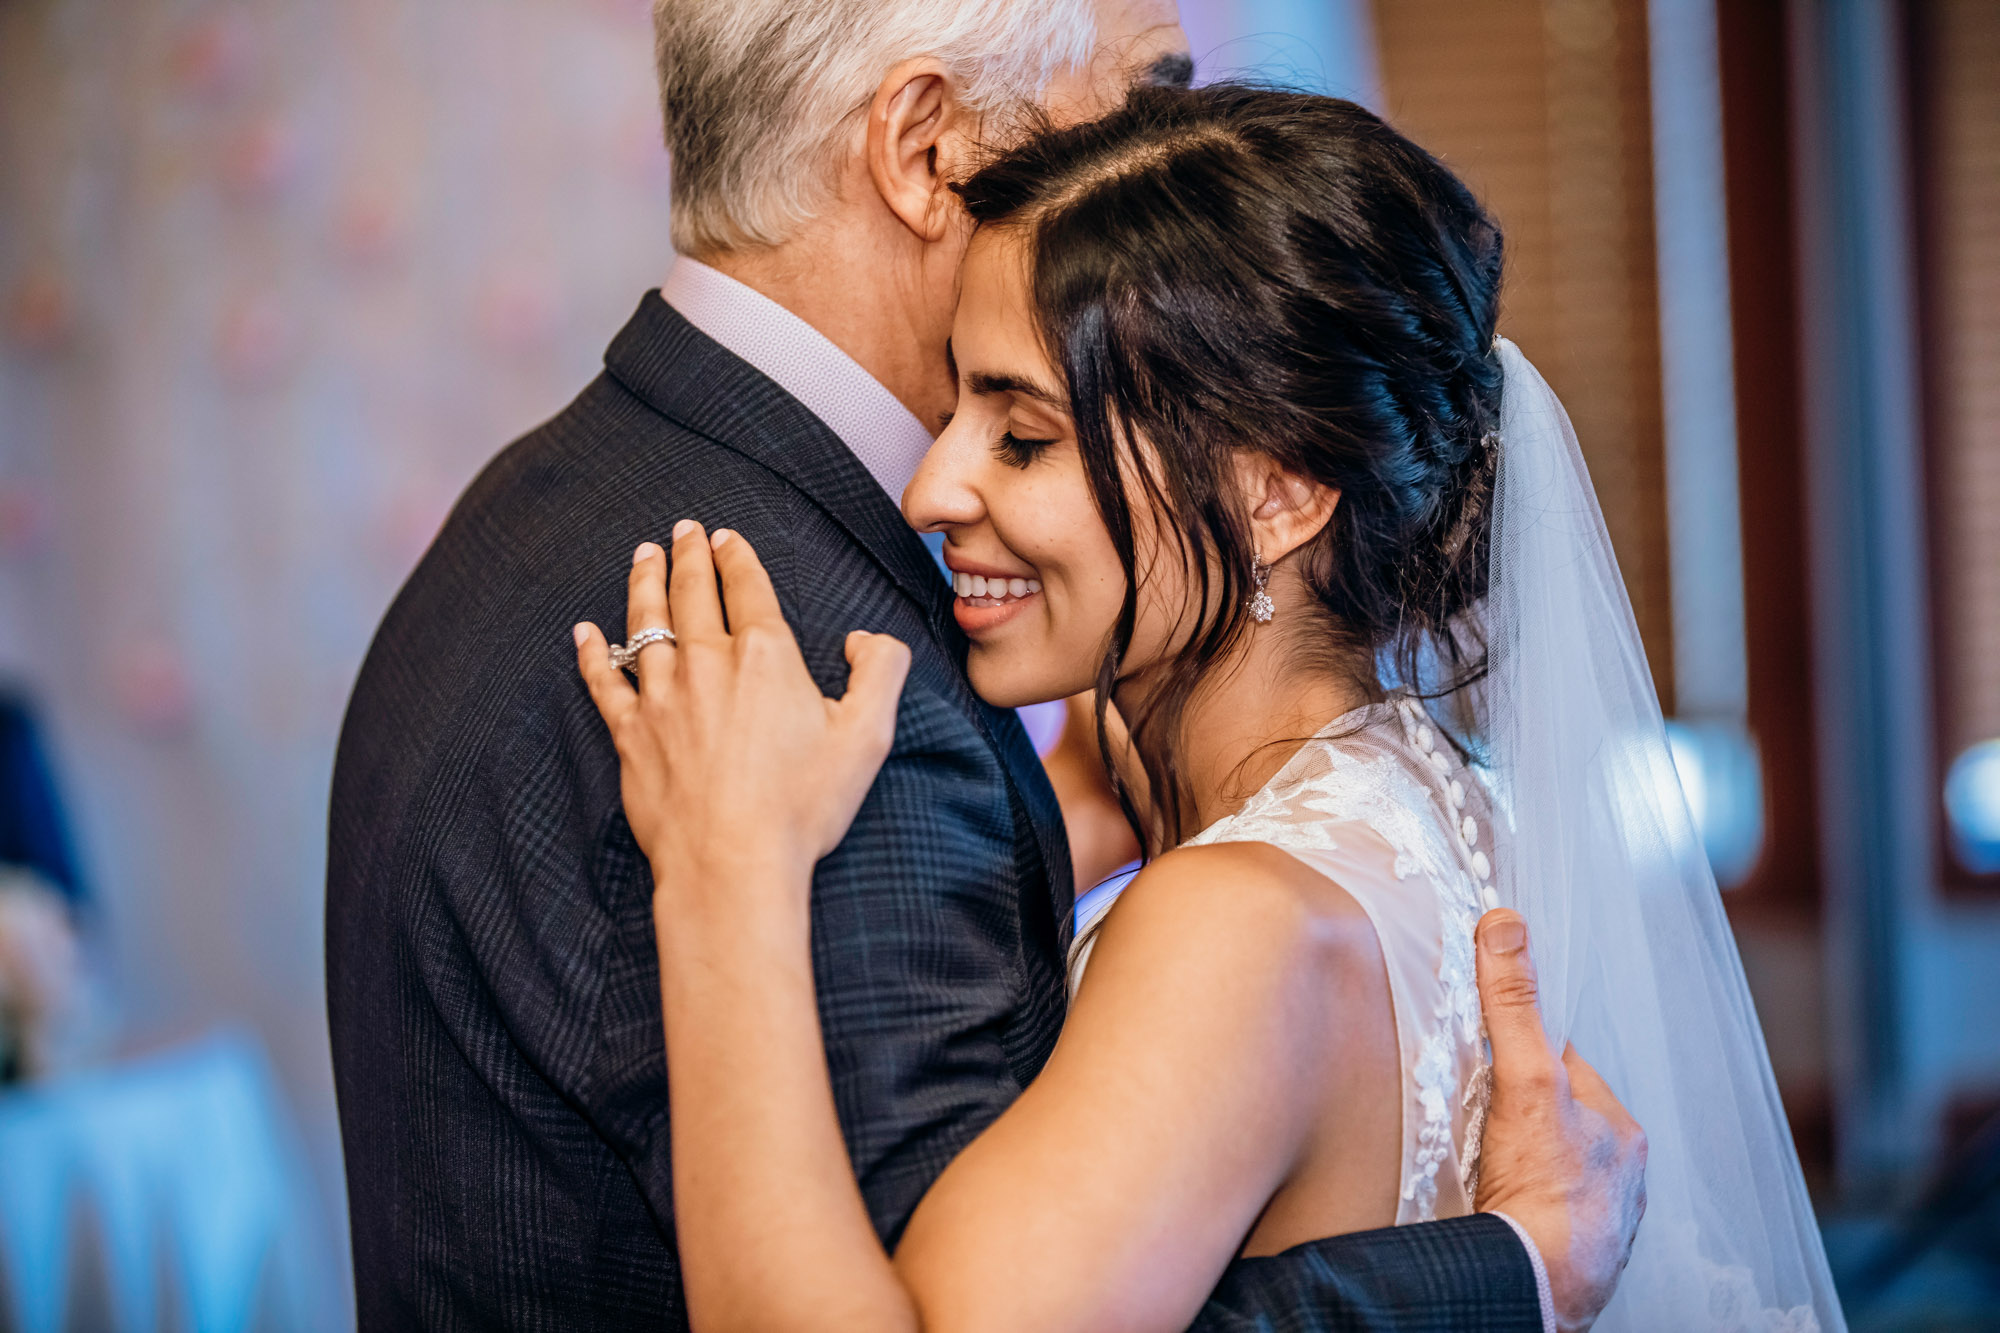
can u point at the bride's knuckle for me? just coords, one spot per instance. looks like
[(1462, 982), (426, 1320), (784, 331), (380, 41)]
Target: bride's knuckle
[(761, 643)]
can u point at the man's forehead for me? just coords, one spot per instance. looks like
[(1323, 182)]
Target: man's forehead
[(1138, 42), (1131, 17), (1136, 32)]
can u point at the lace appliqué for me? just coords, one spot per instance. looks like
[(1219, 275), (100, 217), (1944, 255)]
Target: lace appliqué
[(1363, 779), (1734, 1305), (1346, 788), (1478, 1099)]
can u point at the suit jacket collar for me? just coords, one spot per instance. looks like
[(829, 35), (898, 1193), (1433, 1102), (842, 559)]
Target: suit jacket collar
[(687, 376)]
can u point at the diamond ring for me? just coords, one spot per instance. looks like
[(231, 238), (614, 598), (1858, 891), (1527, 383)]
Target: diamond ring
[(625, 656)]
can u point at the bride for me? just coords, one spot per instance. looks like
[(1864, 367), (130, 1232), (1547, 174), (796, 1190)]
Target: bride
[(1237, 448)]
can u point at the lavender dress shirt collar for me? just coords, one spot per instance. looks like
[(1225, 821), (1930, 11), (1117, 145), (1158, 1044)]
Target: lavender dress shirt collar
[(868, 419)]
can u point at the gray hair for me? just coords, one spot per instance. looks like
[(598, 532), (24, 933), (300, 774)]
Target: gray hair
[(755, 92)]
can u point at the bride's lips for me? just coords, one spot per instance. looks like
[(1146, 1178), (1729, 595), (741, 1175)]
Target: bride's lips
[(988, 597)]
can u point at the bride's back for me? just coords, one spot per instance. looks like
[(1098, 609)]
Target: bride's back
[(1379, 826)]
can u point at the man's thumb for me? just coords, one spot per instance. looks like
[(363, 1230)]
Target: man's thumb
[(1508, 994)]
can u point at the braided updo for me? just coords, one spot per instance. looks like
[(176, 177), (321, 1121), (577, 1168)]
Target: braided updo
[(1234, 267)]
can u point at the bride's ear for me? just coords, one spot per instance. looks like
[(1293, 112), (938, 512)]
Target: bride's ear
[(916, 128), (1286, 510)]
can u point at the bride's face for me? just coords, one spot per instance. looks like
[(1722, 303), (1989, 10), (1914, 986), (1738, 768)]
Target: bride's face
[(1038, 580)]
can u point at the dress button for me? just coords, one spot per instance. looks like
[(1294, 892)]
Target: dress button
[(1469, 831), (1424, 739), (1490, 898), (1457, 793), (1439, 762), (1481, 866)]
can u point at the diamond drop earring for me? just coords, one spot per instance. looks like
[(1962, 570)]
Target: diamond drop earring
[(1261, 606)]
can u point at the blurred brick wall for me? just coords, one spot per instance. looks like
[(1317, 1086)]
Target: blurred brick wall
[(1543, 107)]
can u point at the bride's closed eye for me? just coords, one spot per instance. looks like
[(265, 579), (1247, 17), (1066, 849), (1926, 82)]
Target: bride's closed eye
[(1015, 451)]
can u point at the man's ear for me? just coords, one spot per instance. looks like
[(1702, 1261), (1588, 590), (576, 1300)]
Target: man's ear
[(914, 124), (1286, 510)]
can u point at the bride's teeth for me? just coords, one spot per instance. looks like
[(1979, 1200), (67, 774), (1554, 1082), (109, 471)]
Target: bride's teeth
[(977, 586)]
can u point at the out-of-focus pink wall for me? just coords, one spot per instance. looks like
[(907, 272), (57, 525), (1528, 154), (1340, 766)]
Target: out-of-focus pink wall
[(275, 280)]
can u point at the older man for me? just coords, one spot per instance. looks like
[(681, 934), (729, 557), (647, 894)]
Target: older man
[(493, 989)]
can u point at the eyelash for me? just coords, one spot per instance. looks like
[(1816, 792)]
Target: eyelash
[(1017, 452)]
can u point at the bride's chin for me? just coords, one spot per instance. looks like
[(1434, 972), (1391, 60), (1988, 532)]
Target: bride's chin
[(1009, 684)]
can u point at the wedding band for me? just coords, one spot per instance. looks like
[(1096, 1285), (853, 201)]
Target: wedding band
[(625, 656)]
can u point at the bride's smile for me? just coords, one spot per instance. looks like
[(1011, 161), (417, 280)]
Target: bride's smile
[(987, 597), (1005, 484)]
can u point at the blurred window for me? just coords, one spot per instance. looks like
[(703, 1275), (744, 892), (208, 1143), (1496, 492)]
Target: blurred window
[(1955, 44)]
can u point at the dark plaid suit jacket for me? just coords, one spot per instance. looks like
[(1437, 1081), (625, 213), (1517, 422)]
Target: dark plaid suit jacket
[(492, 985)]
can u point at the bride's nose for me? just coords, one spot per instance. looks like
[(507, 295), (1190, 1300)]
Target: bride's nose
[(945, 494)]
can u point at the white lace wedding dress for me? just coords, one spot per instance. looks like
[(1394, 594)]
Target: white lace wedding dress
[(1379, 803)]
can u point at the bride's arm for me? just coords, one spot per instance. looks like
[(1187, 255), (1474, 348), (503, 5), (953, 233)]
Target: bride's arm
[(1178, 1101), (1121, 1183), (737, 776)]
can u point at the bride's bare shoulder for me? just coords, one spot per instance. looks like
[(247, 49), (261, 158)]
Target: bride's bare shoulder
[(1242, 896)]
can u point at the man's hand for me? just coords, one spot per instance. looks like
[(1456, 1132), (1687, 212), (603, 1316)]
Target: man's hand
[(1560, 1155)]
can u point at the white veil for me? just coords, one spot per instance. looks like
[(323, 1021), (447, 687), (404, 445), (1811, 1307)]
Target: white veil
[(1637, 963)]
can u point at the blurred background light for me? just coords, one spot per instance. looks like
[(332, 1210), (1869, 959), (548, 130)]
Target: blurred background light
[(1972, 807), (1724, 783)]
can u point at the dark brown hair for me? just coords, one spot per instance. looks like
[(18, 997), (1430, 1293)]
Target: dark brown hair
[(1237, 267)]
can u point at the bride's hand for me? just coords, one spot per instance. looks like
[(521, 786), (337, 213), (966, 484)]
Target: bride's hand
[(731, 758)]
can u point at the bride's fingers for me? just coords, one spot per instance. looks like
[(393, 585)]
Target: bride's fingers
[(746, 587), (691, 587), (878, 664), (609, 690), (646, 595)]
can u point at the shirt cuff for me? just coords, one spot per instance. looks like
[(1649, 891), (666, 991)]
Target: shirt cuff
[(1541, 1273)]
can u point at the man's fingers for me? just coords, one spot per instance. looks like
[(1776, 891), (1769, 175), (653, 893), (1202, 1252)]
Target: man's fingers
[(1508, 995), (878, 665), (608, 687), (747, 594), (1593, 1093), (697, 607), (1586, 1084), (1590, 1089)]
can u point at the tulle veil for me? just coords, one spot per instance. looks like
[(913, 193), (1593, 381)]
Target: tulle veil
[(1597, 849)]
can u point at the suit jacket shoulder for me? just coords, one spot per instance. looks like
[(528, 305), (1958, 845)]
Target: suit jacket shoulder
[(492, 986)]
